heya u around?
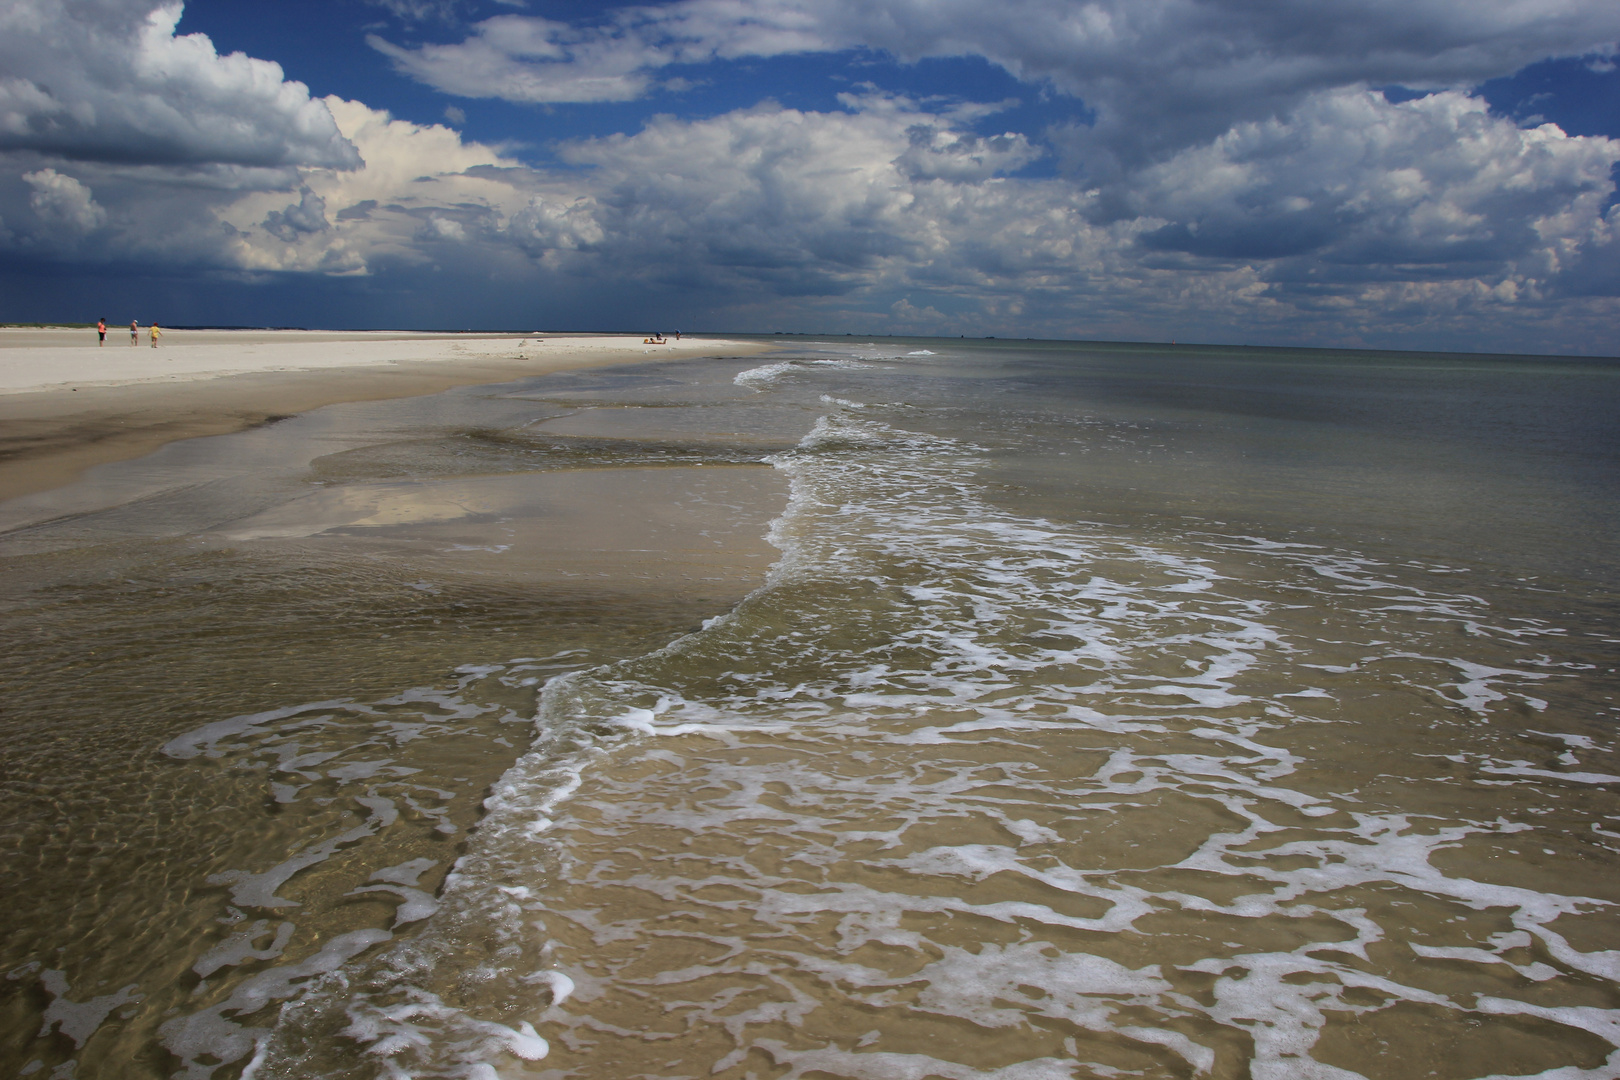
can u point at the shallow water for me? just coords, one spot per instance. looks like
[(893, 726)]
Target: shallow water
[(380, 589), (1108, 711)]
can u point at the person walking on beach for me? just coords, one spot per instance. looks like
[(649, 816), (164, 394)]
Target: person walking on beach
[(134, 332), (154, 331), (101, 331)]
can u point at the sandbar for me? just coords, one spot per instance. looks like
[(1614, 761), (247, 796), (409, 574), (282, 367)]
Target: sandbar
[(67, 405)]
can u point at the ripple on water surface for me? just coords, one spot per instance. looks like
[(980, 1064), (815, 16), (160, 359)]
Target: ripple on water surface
[(962, 793)]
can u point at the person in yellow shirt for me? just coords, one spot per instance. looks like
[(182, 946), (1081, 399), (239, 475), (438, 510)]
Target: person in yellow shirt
[(154, 331)]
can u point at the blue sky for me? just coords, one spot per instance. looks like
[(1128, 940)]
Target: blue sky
[(1426, 174)]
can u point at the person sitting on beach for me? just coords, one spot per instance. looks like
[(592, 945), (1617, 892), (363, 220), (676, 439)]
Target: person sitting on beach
[(101, 331), (154, 331), (134, 332)]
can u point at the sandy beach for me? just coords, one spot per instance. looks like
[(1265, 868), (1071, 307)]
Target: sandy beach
[(438, 526), (922, 707), (67, 405)]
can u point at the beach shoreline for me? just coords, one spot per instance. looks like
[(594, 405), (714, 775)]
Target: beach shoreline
[(67, 406)]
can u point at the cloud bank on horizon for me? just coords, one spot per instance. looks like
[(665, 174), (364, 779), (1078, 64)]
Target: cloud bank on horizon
[(1221, 170)]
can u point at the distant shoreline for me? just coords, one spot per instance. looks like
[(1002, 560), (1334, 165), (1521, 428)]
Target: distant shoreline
[(439, 332), (67, 405), (760, 337)]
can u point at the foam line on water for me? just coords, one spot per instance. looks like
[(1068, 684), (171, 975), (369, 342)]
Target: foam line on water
[(906, 771), (767, 376)]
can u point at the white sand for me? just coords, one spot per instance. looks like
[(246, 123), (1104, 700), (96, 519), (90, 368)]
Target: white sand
[(35, 360), (67, 405)]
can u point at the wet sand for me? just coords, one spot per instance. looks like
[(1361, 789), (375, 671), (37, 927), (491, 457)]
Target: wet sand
[(67, 405), (398, 577)]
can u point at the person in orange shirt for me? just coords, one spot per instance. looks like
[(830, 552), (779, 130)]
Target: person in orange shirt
[(101, 330)]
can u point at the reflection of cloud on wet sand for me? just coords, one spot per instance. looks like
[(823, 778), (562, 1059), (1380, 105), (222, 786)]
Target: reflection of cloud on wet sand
[(374, 505), (680, 527), (725, 424)]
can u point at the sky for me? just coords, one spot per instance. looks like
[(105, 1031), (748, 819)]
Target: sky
[(1407, 174)]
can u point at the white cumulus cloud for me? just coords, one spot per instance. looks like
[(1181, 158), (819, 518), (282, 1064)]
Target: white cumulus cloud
[(1320, 211), (1352, 180), (1160, 74), (529, 59), (61, 202), (1349, 213), (419, 185), (109, 80)]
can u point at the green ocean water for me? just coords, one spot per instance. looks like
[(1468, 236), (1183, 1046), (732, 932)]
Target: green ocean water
[(1106, 711)]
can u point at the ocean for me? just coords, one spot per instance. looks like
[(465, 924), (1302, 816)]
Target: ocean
[(893, 710)]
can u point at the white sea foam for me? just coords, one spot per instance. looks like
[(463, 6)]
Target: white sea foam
[(957, 766), (78, 1020), (367, 757), (761, 378), (765, 377)]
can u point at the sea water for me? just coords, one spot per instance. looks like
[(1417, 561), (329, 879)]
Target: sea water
[(1106, 711)]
